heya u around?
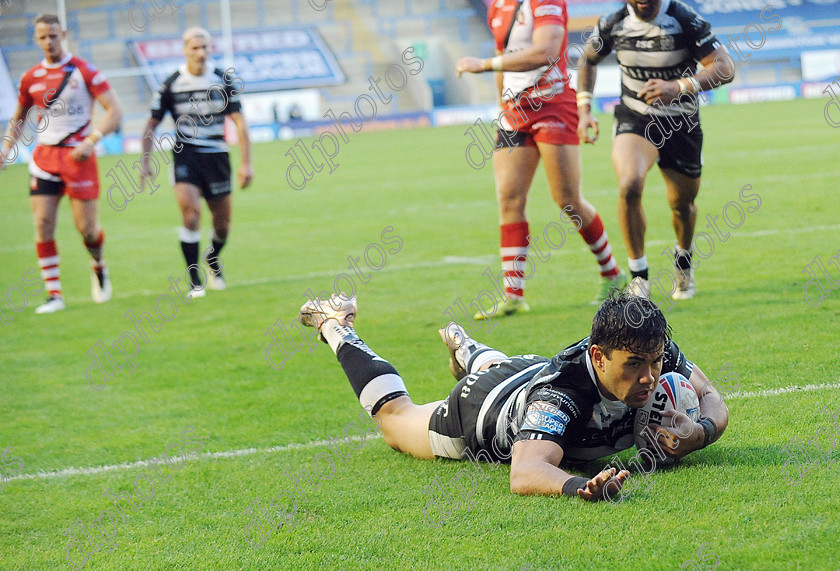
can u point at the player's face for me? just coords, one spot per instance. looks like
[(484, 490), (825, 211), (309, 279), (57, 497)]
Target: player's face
[(197, 49), (627, 376), (645, 9), (49, 37)]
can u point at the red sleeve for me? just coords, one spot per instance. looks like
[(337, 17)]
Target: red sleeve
[(24, 98), (549, 12), (95, 81)]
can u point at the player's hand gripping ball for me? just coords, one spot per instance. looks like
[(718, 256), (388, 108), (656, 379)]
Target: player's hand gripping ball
[(674, 393)]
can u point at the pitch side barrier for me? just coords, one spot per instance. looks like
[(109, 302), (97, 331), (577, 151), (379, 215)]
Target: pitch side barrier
[(535, 103), (310, 336), (675, 109), (271, 518), (86, 541), (127, 186)]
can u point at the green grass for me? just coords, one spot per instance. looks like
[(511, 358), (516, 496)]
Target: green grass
[(206, 367)]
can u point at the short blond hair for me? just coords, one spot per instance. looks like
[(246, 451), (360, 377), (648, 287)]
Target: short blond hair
[(190, 33)]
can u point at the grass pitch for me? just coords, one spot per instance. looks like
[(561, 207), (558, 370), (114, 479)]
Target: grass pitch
[(206, 368)]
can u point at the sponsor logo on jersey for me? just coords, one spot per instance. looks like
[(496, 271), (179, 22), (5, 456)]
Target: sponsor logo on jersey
[(545, 417), (97, 79), (548, 11), (37, 87), (40, 72)]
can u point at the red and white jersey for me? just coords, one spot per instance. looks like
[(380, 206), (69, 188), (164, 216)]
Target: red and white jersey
[(67, 121), (512, 23)]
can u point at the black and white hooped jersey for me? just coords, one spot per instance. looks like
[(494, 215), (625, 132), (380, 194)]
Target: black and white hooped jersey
[(559, 401), (198, 105), (665, 48)]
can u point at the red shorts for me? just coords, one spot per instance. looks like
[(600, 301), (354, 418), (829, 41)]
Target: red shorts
[(54, 171), (554, 123)]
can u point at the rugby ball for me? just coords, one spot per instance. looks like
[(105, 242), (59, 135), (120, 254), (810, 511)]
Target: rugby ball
[(674, 392)]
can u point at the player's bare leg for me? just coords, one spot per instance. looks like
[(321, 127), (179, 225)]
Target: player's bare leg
[(380, 389), (220, 209), (45, 216), (514, 170), (562, 165), (681, 191), (189, 201), (632, 158), (86, 218)]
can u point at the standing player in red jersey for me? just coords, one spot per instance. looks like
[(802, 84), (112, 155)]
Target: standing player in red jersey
[(539, 119), (63, 88)]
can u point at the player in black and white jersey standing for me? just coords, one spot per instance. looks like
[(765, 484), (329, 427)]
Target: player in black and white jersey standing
[(199, 98), (532, 411), (658, 44)]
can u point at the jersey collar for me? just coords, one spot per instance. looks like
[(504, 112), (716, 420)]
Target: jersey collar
[(62, 62)]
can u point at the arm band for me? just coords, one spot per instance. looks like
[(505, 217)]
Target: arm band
[(584, 98), (695, 83), (573, 484), (496, 63), (710, 430)]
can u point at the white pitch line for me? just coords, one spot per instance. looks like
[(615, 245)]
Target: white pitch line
[(484, 260), (781, 391), (67, 472)]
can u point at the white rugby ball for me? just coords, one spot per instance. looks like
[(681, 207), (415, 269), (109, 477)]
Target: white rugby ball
[(674, 392)]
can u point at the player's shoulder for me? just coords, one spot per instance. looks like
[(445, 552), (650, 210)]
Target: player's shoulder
[(609, 22), (684, 14), (34, 72), (82, 64), (167, 83)]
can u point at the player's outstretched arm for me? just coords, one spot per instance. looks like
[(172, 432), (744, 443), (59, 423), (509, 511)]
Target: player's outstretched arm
[(113, 115), (685, 435), (246, 171), (534, 470), (547, 42)]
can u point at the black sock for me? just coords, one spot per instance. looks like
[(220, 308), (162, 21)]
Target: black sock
[(190, 250), (682, 259), (212, 256), (366, 370)]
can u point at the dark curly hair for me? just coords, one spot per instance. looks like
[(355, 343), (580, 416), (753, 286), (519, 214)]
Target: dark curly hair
[(628, 322)]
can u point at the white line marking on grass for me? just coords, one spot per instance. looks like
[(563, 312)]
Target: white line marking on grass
[(488, 259), (68, 472), (782, 391)]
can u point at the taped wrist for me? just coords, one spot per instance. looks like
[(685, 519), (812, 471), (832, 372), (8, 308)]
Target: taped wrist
[(573, 484), (710, 430)]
